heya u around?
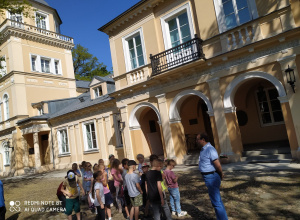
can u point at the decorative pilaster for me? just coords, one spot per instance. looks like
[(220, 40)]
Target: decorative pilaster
[(26, 153), (126, 133), (165, 125), (221, 125), (37, 154), (103, 144), (109, 136), (290, 104)]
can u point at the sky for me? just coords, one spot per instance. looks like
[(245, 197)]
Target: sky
[(82, 18)]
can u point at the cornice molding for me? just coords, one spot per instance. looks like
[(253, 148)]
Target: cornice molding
[(23, 33)]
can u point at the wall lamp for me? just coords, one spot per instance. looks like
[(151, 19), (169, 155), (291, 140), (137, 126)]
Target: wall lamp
[(290, 77)]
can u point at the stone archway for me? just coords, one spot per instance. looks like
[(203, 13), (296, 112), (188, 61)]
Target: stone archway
[(230, 108), (145, 127), (186, 129)]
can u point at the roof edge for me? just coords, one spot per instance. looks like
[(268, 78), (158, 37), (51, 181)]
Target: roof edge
[(121, 15)]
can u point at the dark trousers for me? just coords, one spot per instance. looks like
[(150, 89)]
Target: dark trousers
[(101, 213), (62, 198), (2, 212)]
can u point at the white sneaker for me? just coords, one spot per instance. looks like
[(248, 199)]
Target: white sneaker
[(173, 213), (182, 213)]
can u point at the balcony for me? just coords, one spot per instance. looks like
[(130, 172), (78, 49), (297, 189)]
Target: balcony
[(177, 56), (11, 27)]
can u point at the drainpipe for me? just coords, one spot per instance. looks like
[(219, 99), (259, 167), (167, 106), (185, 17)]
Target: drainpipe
[(53, 157)]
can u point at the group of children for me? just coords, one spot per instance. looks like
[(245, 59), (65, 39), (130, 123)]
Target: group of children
[(133, 188)]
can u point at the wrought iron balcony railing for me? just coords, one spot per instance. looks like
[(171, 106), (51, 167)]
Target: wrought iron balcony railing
[(177, 56)]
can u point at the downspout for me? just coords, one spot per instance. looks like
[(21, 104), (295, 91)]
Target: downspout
[(53, 157)]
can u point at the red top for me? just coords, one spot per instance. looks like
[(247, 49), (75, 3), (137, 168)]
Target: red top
[(170, 177)]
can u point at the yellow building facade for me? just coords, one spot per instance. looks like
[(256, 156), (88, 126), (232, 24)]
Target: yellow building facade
[(184, 67), (181, 67)]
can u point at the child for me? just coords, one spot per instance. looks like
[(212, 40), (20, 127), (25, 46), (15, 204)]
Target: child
[(87, 177), (172, 184), (107, 195), (90, 197), (69, 188), (145, 168), (134, 190), (154, 161), (116, 173), (98, 195), (126, 195), (75, 169), (140, 158)]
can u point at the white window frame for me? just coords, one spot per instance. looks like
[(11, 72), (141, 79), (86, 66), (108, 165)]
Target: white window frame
[(85, 138), (5, 106), (126, 48), (19, 24), (59, 140), (270, 109), (46, 19), (221, 16), (3, 71), (165, 27), (6, 160), (57, 26), (38, 67), (96, 92)]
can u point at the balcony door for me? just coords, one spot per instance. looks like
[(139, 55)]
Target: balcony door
[(177, 30)]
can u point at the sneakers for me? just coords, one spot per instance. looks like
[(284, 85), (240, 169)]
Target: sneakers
[(182, 213), (173, 213)]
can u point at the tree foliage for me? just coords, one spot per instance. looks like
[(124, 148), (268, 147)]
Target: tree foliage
[(16, 7), (86, 66)]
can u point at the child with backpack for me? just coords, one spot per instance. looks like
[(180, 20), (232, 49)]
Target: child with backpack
[(98, 195)]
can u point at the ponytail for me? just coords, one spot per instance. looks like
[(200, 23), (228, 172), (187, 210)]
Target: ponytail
[(95, 175)]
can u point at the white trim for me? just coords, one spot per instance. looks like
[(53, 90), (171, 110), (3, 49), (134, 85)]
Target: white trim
[(59, 143), (3, 71), (4, 143), (126, 48), (38, 66), (84, 135), (46, 19), (5, 113), (178, 100), (165, 28), (238, 81), (135, 114), (221, 16)]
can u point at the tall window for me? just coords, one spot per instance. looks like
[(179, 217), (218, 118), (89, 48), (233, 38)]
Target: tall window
[(17, 18), (41, 21), (6, 154), (56, 66), (98, 92), (33, 63), (231, 13), (179, 29), (63, 143), (134, 50), (269, 107), (6, 107), (3, 69), (90, 136), (45, 65)]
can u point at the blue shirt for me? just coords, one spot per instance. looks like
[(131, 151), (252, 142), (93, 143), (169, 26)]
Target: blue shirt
[(1, 195), (207, 155)]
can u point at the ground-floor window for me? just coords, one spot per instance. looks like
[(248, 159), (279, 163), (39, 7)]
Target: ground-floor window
[(63, 143), (90, 136), (269, 107), (6, 154)]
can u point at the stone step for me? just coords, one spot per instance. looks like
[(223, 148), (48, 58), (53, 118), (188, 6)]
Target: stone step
[(257, 152), (268, 157)]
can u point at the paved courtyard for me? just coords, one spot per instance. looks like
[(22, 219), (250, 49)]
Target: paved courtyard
[(260, 193)]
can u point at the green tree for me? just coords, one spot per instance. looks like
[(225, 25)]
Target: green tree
[(16, 7), (86, 66)]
